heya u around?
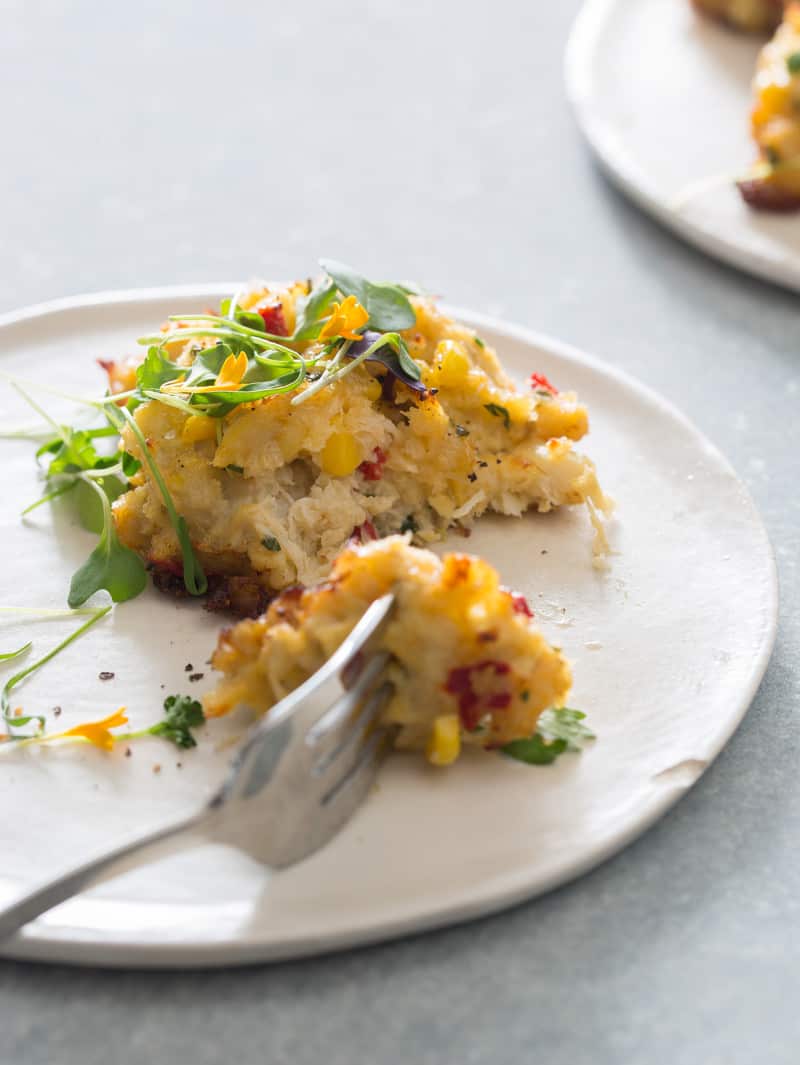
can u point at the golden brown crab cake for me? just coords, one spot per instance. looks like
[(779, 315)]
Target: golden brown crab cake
[(469, 664), (775, 182), (272, 491)]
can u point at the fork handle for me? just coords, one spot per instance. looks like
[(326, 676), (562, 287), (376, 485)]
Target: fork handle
[(180, 836)]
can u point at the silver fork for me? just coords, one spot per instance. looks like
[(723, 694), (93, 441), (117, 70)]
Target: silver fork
[(295, 781)]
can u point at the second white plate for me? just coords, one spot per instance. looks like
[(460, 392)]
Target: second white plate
[(663, 97), (667, 646)]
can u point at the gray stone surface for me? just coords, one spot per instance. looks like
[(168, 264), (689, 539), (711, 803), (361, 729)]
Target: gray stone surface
[(151, 143)]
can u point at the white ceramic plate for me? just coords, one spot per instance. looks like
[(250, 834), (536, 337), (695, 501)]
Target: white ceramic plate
[(668, 647), (663, 97)]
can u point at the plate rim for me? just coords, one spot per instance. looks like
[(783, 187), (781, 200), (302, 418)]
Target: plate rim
[(619, 167), (56, 947)]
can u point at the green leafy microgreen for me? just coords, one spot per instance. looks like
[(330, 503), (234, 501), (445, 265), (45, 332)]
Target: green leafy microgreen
[(194, 577), (499, 412), (558, 731), (251, 319), (157, 370), (566, 724), (411, 288), (312, 308), (18, 721), (89, 493), (111, 566), (181, 715), (8, 656), (56, 492), (271, 543), (535, 750), (387, 304)]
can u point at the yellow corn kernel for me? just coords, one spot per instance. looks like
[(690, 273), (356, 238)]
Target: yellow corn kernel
[(198, 427), (373, 390), (444, 742), (341, 455), (554, 420), (453, 363), (519, 407), (772, 99)]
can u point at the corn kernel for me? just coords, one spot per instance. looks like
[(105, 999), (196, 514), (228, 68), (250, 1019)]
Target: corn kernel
[(341, 455), (373, 390), (773, 99), (453, 363), (554, 420), (198, 427), (444, 742), (519, 408)]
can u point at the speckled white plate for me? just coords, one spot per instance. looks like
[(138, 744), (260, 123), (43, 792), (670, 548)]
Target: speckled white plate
[(663, 97), (668, 648)]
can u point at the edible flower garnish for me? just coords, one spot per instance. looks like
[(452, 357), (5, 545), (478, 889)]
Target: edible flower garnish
[(95, 732), (346, 318)]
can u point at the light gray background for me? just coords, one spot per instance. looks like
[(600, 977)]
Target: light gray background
[(155, 143)]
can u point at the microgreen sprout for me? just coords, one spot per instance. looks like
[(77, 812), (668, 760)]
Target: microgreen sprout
[(14, 721)]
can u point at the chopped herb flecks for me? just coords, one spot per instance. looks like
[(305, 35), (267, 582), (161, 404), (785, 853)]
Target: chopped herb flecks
[(499, 412)]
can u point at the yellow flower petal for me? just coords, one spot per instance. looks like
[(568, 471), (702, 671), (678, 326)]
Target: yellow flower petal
[(96, 732), (232, 371), (346, 317)]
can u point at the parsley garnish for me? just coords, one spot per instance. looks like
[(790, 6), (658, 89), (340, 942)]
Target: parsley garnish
[(271, 543), (793, 63), (479, 342), (557, 732), (499, 412), (181, 715), (409, 524)]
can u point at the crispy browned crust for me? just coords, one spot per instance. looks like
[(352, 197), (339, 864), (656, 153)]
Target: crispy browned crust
[(766, 196), (240, 596)]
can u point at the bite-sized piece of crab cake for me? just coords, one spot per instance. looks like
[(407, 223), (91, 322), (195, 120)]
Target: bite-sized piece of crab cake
[(469, 664), (755, 16), (775, 181), (368, 432)]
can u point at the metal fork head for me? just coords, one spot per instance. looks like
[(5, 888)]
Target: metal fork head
[(304, 770)]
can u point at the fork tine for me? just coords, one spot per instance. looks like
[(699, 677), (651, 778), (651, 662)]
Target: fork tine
[(351, 788), (356, 728), (328, 727)]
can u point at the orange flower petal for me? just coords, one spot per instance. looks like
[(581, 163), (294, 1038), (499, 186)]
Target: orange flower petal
[(96, 732)]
